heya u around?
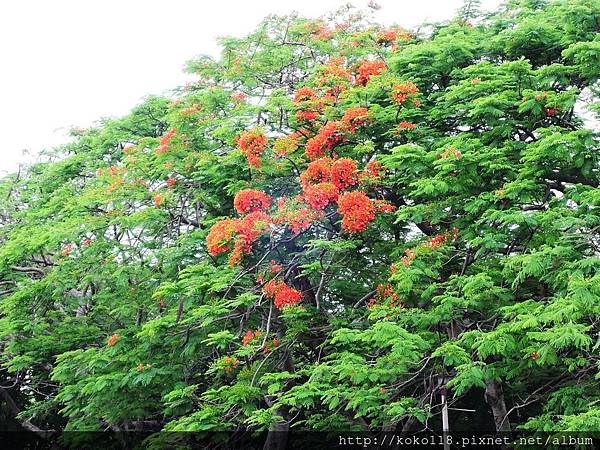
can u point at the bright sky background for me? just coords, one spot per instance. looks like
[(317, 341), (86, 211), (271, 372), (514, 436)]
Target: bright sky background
[(68, 63)]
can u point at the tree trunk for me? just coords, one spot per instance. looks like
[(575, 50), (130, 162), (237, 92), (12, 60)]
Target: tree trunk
[(26, 424), (278, 432), (494, 396), (277, 437)]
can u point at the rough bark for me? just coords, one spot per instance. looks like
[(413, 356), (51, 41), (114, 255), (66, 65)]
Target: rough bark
[(278, 432), (494, 397)]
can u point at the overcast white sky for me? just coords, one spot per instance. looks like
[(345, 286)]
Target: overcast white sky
[(69, 62)]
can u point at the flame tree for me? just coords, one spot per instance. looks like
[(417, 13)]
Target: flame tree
[(333, 224)]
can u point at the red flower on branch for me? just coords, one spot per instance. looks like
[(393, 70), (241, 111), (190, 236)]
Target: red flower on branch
[(404, 91), (344, 173), (282, 294), (296, 215), (368, 69), (318, 171), (328, 137), (304, 94), (374, 169), (320, 195), (355, 117), (449, 153), (306, 115), (66, 251), (220, 235), (410, 256), (239, 96), (287, 296), (335, 72), (250, 200), (275, 267), (385, 292), (158, 200), (165, 141), (112, 340), (386, 37), (404, 125), (230, 364), (248, 230), (250, 335), (357, 209), (253, 143)]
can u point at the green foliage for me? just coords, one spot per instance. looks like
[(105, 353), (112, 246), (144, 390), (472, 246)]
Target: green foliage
[(119, 311)]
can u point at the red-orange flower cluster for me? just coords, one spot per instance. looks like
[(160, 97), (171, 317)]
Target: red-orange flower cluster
[(66, 251), (304, 94), (113, 339), (410, 256), (431, 243), (436, 241), (275, 267), (306, 97), (190, 110), (270, 346), (355, 117), (386, 36), (404, 91), (282, 294), (343, 172), (320, 195), (358, 210), (248, 229), (306, 115), (317, 171), (253, 143), (328, 137), (287, 297), (450, 152), (250, 335), (220, 235), (239, 96), (323, 33), (385, 292), (335, 72), (404, 125), (165, 141), (230, 363), (158, 200), (440, 239), (368, 69), (375, 169), (243, 233), (250, 200)]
